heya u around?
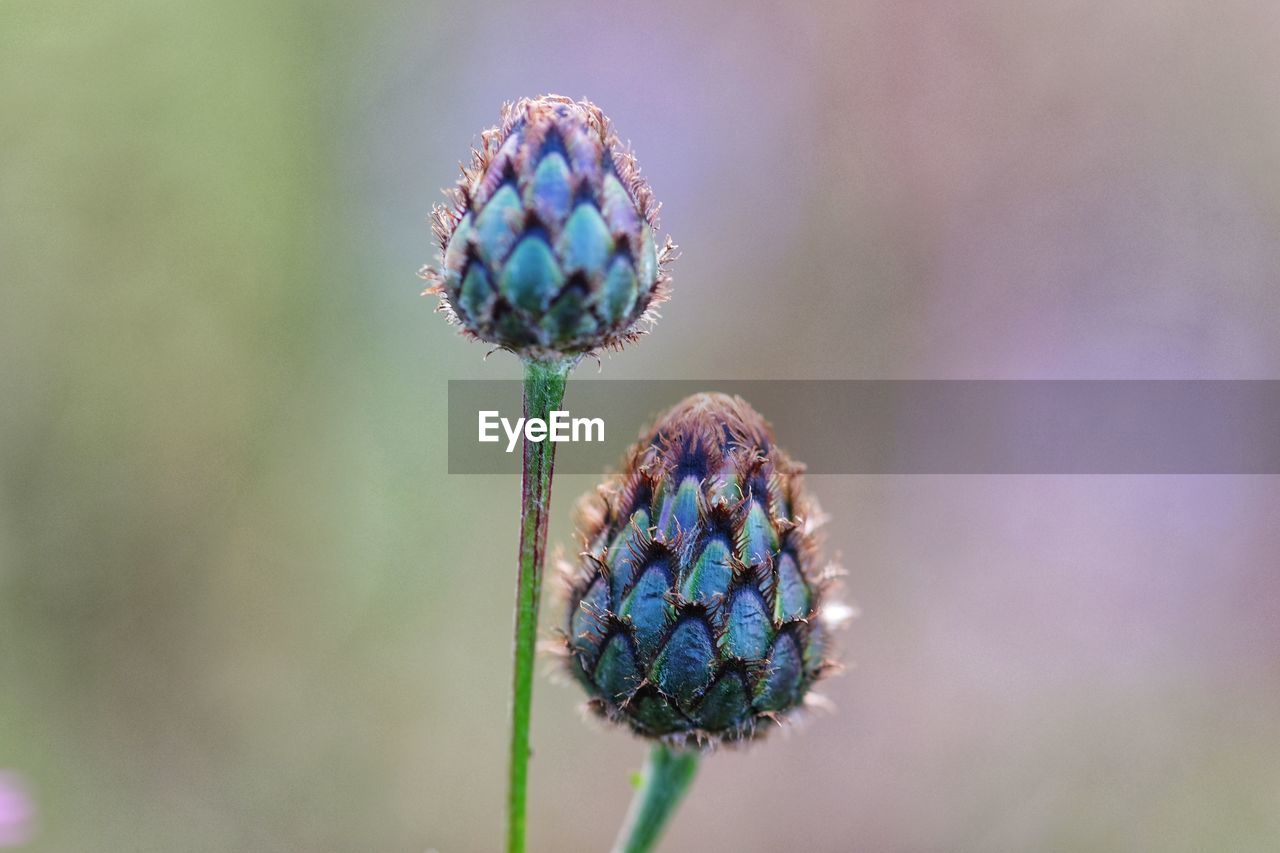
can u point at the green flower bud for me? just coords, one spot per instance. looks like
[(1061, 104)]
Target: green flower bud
[(548, 247), (696, 611)]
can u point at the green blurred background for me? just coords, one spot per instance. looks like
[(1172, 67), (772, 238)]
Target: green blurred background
[(242, 605)]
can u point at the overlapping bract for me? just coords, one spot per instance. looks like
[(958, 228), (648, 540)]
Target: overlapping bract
[(695, 611), (549, 245)]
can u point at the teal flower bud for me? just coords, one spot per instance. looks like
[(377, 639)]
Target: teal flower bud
[(697, 612), (549, 246)]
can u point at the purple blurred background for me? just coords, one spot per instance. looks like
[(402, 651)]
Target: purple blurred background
[(242, 606)]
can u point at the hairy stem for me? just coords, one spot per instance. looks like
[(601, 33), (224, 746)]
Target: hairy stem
[(543, 392), (666, 777)]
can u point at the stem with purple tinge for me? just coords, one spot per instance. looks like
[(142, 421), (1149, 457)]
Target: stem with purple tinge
[(543, 392)]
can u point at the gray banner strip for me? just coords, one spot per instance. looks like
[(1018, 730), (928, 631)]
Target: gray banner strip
[(923, 426)]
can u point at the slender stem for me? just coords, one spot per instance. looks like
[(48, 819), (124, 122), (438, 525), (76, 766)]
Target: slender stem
[(663, 783), (543, 392)]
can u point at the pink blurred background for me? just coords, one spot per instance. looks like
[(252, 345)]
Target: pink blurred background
[(242, 605)]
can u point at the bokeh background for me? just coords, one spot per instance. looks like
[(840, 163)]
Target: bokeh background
[(242, 605)]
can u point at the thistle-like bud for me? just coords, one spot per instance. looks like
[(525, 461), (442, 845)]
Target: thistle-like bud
[(696, 611), (548, 246)]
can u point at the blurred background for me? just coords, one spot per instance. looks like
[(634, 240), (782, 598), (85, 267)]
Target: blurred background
[(242, 605)]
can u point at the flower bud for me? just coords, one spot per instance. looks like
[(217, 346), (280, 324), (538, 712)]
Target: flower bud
[(696, 611), (548, 247)]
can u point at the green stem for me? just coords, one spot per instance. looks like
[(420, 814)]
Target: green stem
[(543, 392), (663, 783)]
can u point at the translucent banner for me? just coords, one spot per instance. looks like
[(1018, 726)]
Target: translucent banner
[(906, 427)]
